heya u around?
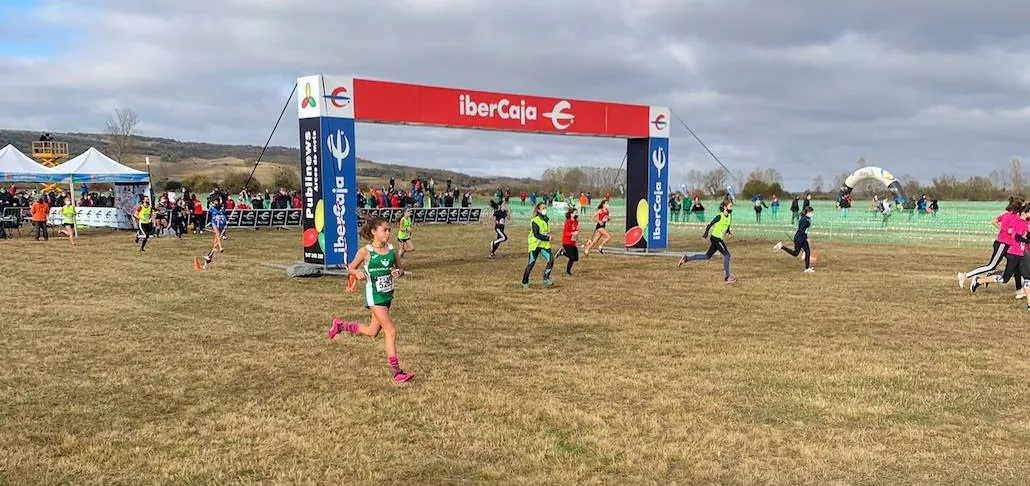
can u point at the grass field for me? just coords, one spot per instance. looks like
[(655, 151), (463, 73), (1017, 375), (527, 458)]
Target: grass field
[(121, 367)]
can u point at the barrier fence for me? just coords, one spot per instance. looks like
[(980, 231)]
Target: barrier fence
[(247, 218), (425, 215), (959, 223)]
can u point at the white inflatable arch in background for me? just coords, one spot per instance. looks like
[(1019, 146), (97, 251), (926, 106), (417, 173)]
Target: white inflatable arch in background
[(886, 178)]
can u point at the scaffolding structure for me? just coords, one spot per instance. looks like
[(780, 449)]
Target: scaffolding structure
[(50, 154)]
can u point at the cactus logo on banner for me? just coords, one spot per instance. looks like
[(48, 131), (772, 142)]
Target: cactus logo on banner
[(658, 183), (309, 95), (339, 191)]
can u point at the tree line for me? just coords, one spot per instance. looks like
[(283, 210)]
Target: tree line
[(998, 184), (597, 180)]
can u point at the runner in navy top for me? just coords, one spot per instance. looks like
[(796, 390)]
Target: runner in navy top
[(500, 218), (801, 240)]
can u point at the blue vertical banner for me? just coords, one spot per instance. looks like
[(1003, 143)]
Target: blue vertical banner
[(658, 193), (339, 191)]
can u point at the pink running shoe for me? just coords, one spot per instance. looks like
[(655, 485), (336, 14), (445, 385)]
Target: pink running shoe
[(402, 377), (335, 328)]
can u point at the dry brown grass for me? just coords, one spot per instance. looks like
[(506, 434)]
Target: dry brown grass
[(129, 368)]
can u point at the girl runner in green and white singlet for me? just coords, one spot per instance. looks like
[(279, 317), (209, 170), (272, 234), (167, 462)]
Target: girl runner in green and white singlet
[(378, 264)]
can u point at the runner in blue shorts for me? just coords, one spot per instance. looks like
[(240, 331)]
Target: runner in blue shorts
[(216, 216)]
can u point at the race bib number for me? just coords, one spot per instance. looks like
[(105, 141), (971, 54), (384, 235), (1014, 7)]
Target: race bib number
[(384, 283), (573, 237)]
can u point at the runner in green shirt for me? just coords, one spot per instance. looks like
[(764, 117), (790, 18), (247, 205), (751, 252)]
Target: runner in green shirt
[(68, 218), (378, 265), (404, 232), (145, 217)]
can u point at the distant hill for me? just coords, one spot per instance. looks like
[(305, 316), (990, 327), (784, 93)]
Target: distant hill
[(175, 160)]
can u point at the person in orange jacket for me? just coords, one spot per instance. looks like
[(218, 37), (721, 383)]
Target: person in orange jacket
[(40, 209)]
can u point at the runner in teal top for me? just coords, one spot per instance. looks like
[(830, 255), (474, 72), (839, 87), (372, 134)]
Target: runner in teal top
[(378, 264), (715, 232)]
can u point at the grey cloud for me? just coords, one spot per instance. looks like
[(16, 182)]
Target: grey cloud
[(922, 87)]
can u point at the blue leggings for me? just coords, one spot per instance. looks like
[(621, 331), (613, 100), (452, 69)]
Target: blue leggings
[(717, 245)]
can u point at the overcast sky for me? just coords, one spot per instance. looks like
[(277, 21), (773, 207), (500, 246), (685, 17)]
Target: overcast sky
[(919, 87)]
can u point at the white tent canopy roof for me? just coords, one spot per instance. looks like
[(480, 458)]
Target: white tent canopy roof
[(18, 167), (93, 166)]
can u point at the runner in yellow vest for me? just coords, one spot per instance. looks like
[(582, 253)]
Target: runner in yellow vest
[(716, 231), (539, 245)]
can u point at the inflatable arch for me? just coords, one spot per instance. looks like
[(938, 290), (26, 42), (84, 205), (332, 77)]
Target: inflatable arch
[(875, 173)]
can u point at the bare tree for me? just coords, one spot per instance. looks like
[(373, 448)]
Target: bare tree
[(838, 181), (817, 184), (773, 176), (574, 179), (1016, 177), (999, 180), (714, 181), (911, 186), (121, 129), (756, 174), (695, 178), (861, 162)]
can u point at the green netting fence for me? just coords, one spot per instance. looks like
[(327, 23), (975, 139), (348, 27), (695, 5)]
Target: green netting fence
[(959, 223)]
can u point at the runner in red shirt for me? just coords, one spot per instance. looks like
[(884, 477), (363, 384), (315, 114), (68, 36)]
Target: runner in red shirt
[(568, 239)]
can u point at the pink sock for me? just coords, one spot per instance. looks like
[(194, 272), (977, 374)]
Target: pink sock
[(351, 327), (394, 364)]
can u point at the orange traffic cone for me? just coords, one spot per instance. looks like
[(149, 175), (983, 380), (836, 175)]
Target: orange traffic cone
[(196, 264)]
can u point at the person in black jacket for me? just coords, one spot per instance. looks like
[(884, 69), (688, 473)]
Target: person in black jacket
[(179, 216), (759, 203), (698, 209), (801, 240), (795, 208)]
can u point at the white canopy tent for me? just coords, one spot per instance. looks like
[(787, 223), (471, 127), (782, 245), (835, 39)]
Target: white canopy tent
[(93, 166), (18, 167)]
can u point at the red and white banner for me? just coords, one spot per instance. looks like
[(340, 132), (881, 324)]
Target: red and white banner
[(373, 101), (387, 102)]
